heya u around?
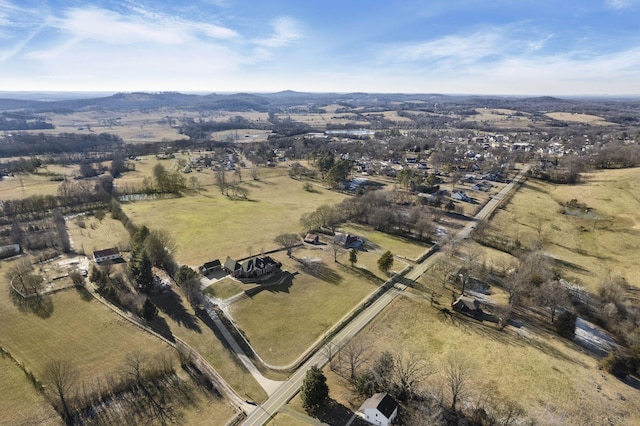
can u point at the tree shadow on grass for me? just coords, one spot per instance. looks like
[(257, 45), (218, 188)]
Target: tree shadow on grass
[(320, 270), (491, 331), (84, 294), (334, 413), (160, 326), (171, 304), (40, 306), (282, 285), (366, 274)]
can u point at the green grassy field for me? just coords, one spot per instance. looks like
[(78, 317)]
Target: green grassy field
[(282, 322), (209, 225), (226, 287), (592, 246), (554, 380)]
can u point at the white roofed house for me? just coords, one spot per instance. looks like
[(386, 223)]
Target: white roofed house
[(380, 410)]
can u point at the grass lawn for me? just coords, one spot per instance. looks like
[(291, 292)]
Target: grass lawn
[(210, 225), (226, 288), (178, 316), (96, 235), (282, 322), (590, 247), (382, 242), (20, 403), (554, 381)]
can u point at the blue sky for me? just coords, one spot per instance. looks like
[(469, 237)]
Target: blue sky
[(520, 47)]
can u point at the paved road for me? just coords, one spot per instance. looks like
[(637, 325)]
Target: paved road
[(286, 391)]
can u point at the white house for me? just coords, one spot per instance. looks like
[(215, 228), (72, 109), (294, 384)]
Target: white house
[(380, 410), (107, 254)]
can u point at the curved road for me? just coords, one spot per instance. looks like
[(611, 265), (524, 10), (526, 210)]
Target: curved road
[(265, 412)]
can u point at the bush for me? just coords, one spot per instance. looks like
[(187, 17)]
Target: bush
[(615, 364), (566, 324)]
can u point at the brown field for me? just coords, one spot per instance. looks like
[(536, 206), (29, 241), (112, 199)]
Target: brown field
[(20, 403), (591, 247), (552, 379), (78, 328), (96, 235), (25, 185), (502, 118), (580, 118)]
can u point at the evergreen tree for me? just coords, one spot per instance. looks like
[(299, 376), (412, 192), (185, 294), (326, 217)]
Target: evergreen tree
[(385, 262), (149, 310), (314, 392), (145, 278)]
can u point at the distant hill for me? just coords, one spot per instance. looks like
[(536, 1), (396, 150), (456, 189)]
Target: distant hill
[(33, 102)]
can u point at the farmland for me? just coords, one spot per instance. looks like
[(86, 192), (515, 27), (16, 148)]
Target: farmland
[(553, 380), (591, 246), (209, 225)]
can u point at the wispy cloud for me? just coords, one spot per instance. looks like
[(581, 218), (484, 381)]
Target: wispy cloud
[(286, 30), (621, 4), (111, 27)]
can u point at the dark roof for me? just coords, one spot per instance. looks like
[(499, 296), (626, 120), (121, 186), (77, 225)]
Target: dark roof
[(383, 402), (106, 252), (213, 264)]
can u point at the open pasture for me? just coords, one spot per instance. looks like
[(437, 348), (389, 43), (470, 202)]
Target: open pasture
[(89, 234), (591, 245), (573, 117), (20, 403), (283, 321), (73, 326), (551, 378), (25, 185), (210, 225)]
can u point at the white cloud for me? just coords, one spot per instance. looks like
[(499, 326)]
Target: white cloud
[(621, 4), (461, 47), (286, 31)]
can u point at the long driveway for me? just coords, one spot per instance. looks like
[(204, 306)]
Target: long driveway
[(288, 389)]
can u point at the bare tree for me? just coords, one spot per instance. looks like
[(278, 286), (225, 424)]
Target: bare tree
[(61, 376), (287, 241), (457, 372), (336, 248), (255, 174), (221, 181), (552, 295), (409, 370), (444, 269), (354, 354)]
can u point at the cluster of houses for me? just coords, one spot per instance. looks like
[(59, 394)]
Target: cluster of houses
[(253, 267)]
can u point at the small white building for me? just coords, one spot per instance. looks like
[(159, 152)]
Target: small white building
[(381, 410), (107, 254)]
